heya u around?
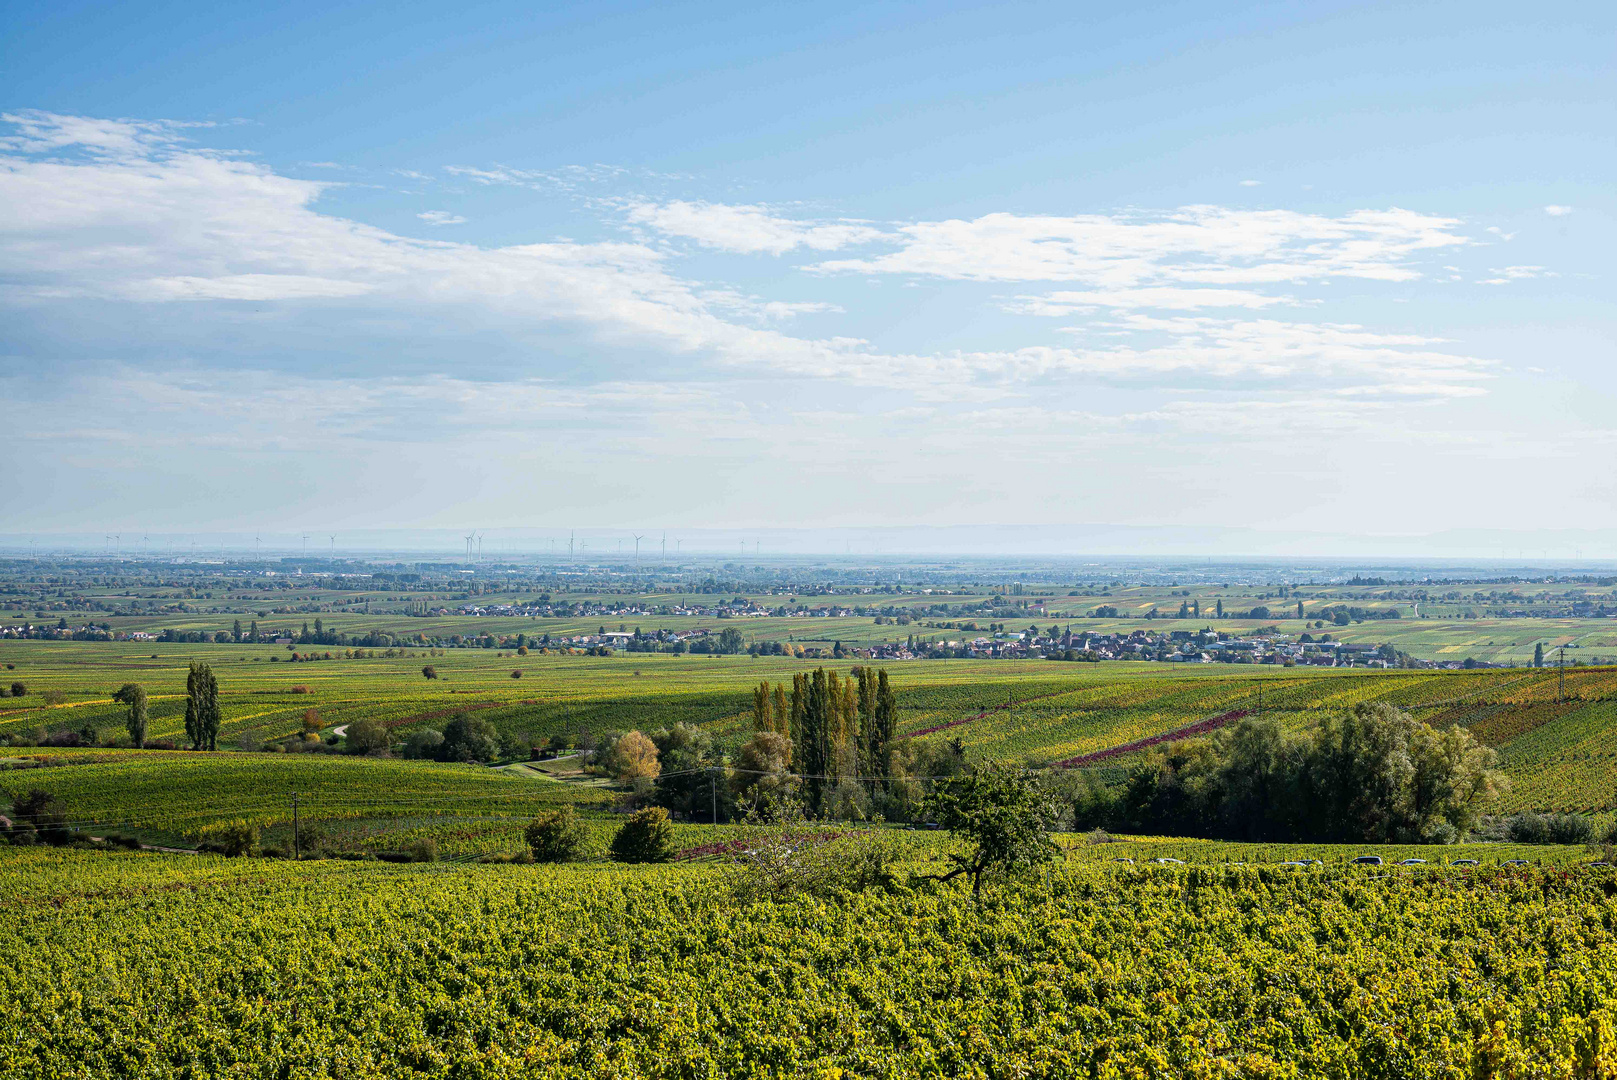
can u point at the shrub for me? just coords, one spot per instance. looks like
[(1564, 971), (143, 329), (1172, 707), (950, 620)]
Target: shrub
[(19, 690), (646, 837), (231, 838), (53, 697), (556, 837), (516, 674), (312, 721), (301, 689), (429, 672), (1530, 828), (122, 840)]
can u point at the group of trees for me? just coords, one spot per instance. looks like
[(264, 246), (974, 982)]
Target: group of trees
[(833, 728), (1374, 774)]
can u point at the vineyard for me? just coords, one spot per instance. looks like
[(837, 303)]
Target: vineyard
[(1555, 739), (157, 966)]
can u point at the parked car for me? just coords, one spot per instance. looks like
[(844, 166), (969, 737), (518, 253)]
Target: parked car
[(1368, 860)]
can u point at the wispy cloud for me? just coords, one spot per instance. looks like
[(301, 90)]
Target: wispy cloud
[(1201, 245), (441, 217), (748, 229), (1557, 211)]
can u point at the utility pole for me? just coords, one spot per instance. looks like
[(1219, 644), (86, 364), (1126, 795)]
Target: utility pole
[(1560, 692), (713, 777), (297, 851)]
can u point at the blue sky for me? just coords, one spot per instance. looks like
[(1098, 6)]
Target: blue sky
[(1288, 266)]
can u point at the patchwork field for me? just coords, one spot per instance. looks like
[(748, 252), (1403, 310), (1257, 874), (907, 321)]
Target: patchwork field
[(1560, 754)]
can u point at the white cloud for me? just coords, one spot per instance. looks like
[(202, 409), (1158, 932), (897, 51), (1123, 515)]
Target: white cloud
[(1162, 296), (747, 230), (154, 222), (441, 217), (1251, 183), (1204, 245), (1557, 211), (1507, 274)]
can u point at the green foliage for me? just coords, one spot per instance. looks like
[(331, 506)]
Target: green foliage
[(646, 837), (423, 743), (134, 696), (469, 737), (40, 815), (367, 734), (1373, 774), (232, 838), (556, 837), (202, 707), (1530, 828), (1005, 817)]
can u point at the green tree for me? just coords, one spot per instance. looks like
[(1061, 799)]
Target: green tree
[(1538, 654), (556, 837), (646, 837), (202, 707), (730, 641), (881, 736), (760, 707), (367, 734), (469, 738), (1005, 817), (134, 696), (41, 814)]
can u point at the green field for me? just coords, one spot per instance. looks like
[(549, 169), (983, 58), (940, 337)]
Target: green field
[(1559, 754), (164, 966)]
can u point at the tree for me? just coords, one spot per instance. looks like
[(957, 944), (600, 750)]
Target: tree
[(761, 774), (1538, 654), (134, 695), (1003, 814), (469, 738), (367, 734), (694, 781), (778, 715), (632, 757), (761, 720), (202, 707), (19, 690), (429, 672), (42, 814), (423, 744), (730, 641), (556, 837), (881, 737), (646, 837)]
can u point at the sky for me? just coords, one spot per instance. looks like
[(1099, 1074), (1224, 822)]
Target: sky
[(1291, 267)]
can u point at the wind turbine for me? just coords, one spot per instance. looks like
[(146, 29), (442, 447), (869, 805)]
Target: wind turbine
[(637, 549), (305, 545), (469, 537), (334, 547)]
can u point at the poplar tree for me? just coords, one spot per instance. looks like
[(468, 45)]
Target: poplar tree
[(202, 707), (867, 718), (881, 735), (134, 695), (760, 708), (781, 725)]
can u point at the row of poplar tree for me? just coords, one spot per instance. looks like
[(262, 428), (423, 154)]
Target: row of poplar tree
[(838, 728), (201, 709)]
